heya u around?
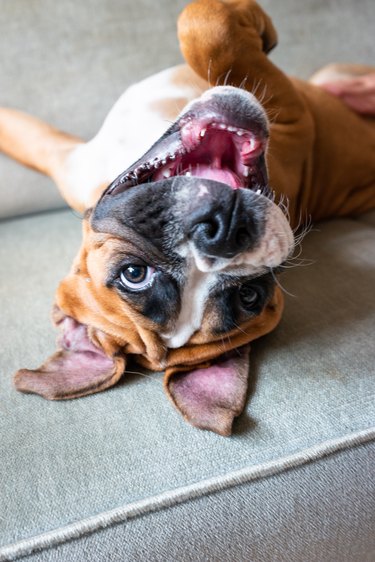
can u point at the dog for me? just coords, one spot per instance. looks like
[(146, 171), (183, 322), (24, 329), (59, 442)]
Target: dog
[(180, 253)]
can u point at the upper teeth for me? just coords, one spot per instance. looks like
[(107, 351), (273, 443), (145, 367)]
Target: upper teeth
[(230, 128), (168, 172)]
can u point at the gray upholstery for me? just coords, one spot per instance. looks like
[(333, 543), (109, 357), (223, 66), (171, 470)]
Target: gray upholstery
[(119, 475)]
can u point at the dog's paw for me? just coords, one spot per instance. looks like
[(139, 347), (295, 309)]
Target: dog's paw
[(219, 37)]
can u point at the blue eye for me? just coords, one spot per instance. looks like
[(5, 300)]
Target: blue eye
[(136, 277)]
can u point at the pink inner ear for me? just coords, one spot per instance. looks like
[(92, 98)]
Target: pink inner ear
[(211, 398), (74, 337), (77, 369)]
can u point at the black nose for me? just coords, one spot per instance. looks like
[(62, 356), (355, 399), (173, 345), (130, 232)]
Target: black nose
[(225, 225)]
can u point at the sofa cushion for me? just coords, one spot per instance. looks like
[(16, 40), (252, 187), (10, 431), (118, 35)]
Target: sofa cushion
[(68, 468), (67, 63), (317, 512)]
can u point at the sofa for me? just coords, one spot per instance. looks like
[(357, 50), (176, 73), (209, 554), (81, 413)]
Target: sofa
[(119, 476)]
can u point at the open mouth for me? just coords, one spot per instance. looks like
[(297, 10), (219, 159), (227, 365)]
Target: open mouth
[(212, 140)]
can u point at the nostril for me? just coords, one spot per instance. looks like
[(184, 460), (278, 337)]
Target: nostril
[(225, 225), (216, 239), (242, 238), (209, 230)]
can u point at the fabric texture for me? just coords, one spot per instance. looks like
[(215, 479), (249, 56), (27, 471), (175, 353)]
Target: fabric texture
[(286, 517)]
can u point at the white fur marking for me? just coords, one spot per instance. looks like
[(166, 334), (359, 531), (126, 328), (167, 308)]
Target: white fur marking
[(193, 303)]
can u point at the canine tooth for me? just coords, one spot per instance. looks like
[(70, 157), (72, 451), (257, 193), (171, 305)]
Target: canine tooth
[(258, 191), (246, 171), (222, 126), (167, 173), (172, 156), (232, 129), (164, 162), (202, 133), (240, 133), (188, 174), (156, 164)]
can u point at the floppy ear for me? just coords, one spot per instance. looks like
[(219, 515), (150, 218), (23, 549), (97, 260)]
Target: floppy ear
[(78, 368), (212, 396)]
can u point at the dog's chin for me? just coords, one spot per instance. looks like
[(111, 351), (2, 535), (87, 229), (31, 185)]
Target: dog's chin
[(222, 136)]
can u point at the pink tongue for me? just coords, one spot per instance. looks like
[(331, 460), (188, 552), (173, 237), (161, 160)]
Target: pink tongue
[(218, 174)]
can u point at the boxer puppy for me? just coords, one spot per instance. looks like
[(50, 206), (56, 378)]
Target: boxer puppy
[(179, 255), (177, 267)]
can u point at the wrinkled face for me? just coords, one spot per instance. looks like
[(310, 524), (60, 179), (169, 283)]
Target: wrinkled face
[(195, 234)]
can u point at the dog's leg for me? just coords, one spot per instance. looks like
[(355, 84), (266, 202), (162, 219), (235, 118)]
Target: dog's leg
[(340, 71), (354, 84), (227, 42), (40, 146)]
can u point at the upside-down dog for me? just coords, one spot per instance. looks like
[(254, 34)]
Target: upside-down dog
[(180, 251)]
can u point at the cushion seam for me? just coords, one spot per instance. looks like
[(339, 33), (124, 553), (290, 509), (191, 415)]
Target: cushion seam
[(132, 510)]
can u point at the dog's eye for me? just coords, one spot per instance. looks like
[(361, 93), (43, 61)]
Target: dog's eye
[(136, 277), (249, 297)]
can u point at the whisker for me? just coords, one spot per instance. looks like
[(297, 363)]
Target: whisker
[(256, 85), (277, 281), (143, 375), (77, 214), (242, 84), (227, 77), (240, 329), (209, 73)]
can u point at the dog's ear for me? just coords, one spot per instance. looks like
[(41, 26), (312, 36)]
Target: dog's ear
[(78, 368), (212, 393), (210, 397)]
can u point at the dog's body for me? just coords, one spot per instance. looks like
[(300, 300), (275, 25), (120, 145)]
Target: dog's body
[(179, 254)]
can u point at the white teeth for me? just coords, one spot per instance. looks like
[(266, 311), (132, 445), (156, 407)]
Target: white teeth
[(167, 173), (188, 174), (202, 133), (172, 157), (230, 128), (164, 162), (246, 171), (258, 191), (156, 164)]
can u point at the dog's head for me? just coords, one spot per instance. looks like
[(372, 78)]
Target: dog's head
[(177, 267)]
